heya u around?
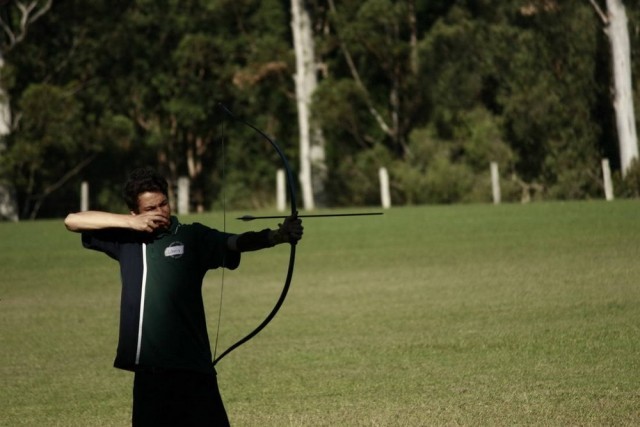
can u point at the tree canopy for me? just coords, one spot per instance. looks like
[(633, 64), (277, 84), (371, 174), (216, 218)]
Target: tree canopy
[(432, 90)]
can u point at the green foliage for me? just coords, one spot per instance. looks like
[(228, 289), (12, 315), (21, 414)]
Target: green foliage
[(549, 101), (356, 184), (439, 170), (434, 91), (115, 132), (429, 175), (539, 83), (340, 106), (454, 58), (50, 138), (53, 123), (480, 133)]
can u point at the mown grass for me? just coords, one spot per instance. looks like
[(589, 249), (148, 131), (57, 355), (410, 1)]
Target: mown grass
[(448, 315)]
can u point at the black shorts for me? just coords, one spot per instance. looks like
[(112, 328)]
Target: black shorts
[(176, 398)]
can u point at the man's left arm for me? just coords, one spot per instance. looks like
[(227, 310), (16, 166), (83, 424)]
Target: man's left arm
[(290, 231)]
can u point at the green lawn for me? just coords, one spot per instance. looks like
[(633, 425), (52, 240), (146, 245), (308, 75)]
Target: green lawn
[(447, 315)]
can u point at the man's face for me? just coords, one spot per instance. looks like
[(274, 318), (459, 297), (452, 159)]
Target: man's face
[(152, 202)]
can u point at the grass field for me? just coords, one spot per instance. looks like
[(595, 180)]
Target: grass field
[(448, 315)]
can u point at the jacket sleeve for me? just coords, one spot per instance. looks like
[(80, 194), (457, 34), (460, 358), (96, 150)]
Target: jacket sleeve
[(107, 241), (214, 251)]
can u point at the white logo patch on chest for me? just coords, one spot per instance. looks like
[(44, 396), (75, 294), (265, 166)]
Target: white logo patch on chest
[(174, 250)]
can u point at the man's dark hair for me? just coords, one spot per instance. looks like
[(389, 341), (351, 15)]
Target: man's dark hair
[(140, 181)]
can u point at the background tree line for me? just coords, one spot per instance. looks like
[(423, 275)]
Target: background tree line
[(433, 90)]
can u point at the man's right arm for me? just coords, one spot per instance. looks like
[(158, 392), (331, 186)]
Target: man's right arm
[(96, 220)]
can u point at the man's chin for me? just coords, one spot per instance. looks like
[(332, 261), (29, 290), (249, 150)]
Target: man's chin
[(161, 230)]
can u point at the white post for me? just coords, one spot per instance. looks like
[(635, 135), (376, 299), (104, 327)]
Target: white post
[(183, 195), (281, 193), (385, 194), (608, 183), (84, 196), (495, 183)]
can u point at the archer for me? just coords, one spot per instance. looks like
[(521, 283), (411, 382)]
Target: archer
[(163, 334)]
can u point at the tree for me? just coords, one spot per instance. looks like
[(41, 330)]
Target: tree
[(15, 19), (432, 90), (64, 112), (372, 94), (525, 63), (616, 28), (47, 136), (313, 169)]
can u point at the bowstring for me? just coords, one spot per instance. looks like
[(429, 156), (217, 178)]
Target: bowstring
[(224, 228)]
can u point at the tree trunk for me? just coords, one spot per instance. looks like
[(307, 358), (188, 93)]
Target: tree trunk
[(5, 111), (8, 201), (313, 169), (413, 39), (618, 33), (28, 13)]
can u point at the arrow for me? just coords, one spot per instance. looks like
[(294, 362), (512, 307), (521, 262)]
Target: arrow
[(251, 218)]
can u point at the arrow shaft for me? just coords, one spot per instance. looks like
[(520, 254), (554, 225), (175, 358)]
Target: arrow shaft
[(251, 218)]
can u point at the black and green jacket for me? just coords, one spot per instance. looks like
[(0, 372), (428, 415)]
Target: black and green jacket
[(162, 318)]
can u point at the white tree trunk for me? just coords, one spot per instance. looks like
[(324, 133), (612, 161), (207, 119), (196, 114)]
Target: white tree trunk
[(30, 11), (5, 111), (312, 146), (8, 202), (618, 33)]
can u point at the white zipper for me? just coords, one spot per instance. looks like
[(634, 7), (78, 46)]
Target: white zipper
[(142, 296)]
